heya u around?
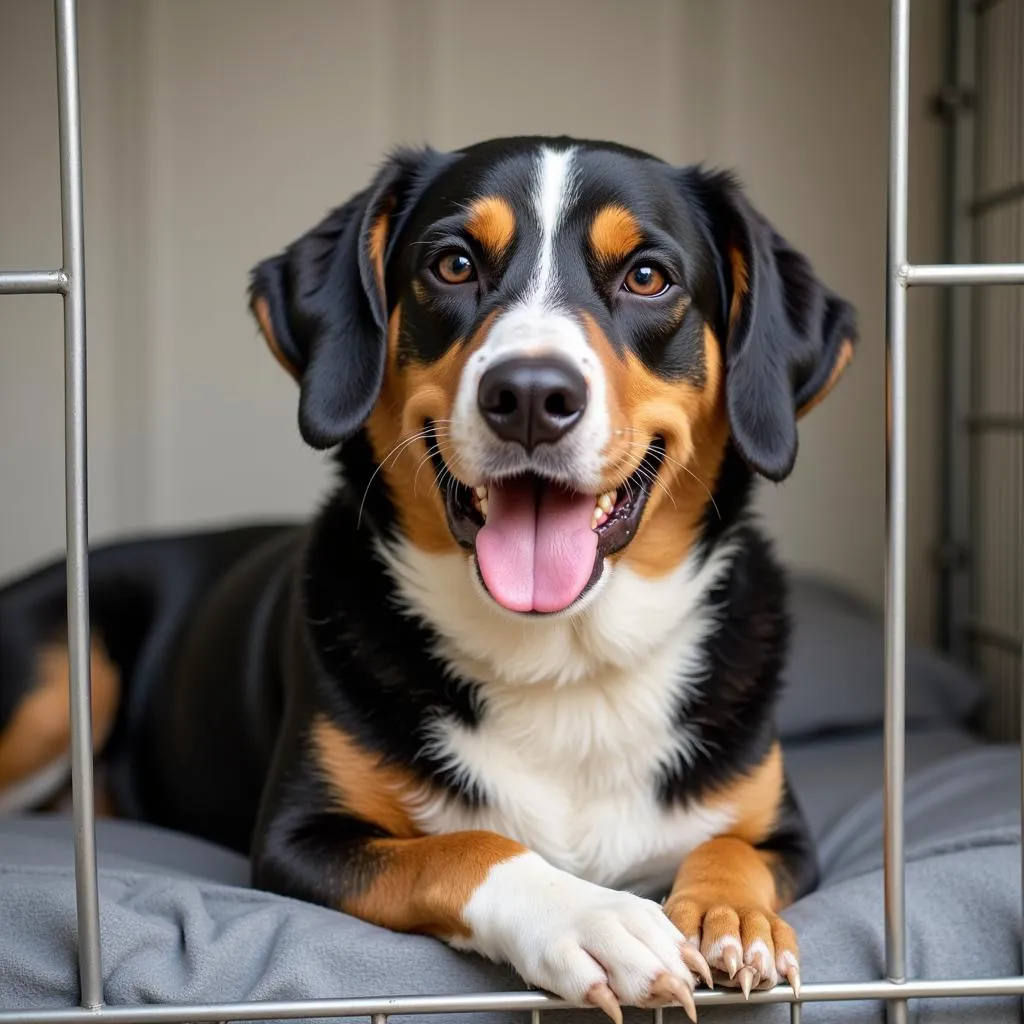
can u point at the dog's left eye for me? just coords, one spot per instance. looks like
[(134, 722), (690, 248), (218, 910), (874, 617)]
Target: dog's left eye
[(646, 280), (455, 268)]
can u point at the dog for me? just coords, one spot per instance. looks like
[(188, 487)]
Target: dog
[(513, 685)]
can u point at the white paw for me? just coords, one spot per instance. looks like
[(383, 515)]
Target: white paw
[(581, 941)]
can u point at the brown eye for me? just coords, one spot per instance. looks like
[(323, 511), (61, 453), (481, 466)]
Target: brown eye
[(645, 280), (455, 268)]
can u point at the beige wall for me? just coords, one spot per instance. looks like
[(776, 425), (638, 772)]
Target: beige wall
[(217, 130)]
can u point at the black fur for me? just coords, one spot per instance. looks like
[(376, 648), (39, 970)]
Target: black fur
[(231, 642)]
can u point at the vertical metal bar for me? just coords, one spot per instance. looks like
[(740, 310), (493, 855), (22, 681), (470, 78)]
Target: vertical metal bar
[(1018, 106), (76, 498), (896, 504), (795, 1013), (1016, 337), (955, 596)]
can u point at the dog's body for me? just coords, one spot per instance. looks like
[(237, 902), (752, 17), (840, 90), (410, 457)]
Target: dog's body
[(525, 658)]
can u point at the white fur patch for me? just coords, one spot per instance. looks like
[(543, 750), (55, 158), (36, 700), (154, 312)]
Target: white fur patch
[(566, 935), (577, 724), (553, 195)]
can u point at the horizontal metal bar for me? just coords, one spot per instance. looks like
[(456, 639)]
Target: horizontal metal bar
[(972, 988), (33, 282), (981, 422), (1004, 639), (964, 273), (996, 198)]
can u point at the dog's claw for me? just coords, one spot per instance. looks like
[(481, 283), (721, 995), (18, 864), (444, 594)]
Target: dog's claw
[(601, 996), (732, 961), (747, 975), (671, 990), (792, 975), (693, 959), (685, 1000)]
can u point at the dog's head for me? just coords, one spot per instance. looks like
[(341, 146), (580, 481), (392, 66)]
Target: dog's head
[(567, 336)]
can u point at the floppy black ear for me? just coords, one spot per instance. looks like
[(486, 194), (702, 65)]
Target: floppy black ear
[(321, 304), (788, 338)]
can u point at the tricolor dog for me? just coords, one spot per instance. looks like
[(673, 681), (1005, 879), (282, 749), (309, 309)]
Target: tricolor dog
[(513, 685)]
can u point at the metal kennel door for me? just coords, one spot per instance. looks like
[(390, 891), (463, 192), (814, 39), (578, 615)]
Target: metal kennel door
[(69, 282)]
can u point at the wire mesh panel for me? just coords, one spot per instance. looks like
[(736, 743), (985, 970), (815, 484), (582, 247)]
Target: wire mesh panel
[(1000, 313), (996, 419)]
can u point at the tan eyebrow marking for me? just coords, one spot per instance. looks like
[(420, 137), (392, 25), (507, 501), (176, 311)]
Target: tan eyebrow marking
[(614, 234), (492, 222)]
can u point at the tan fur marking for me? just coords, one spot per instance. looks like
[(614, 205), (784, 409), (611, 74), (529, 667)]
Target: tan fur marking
[(377, 243), (39, 731), (413, 393), (492, 222), (754, 798), (362, 784), (740, 284), (695, 426), (422, 885), (843, 360), (614, 234), (724, 871), (261, 309)]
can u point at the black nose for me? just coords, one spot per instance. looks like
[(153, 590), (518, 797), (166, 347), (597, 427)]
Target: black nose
[(532, 399)]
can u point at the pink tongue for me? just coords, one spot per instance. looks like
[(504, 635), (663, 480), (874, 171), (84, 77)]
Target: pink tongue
[(536, 555)]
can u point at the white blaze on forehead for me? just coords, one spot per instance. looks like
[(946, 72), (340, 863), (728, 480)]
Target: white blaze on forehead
[(553, 192)]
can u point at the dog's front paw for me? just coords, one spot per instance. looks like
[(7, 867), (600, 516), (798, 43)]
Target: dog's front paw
[(581, 941), (746, 949)]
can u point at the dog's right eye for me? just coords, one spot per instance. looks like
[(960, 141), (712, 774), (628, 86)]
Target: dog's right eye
[(455, 268)]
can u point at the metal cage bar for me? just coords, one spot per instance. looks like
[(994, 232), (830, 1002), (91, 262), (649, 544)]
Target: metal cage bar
[(69, 282), (894, 866)]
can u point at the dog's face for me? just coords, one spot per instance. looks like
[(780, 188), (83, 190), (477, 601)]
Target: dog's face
[(565, 336)]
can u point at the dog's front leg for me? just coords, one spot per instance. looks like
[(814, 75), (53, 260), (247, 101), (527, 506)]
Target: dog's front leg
[(729, 891), (726, 899), (484, 893)]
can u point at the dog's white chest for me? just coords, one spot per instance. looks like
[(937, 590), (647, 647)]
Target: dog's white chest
[(571, 772), (580, 716)]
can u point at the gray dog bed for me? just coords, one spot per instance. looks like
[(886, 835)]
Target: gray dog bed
[(179, 923)]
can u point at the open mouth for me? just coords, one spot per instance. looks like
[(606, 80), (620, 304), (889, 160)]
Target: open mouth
[(539, 544)]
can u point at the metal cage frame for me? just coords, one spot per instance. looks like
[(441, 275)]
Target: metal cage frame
[(69, 282)]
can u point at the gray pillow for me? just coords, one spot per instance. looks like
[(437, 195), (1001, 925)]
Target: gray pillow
[(835, 674)]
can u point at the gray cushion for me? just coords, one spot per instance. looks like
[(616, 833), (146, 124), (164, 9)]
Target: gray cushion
[(835, 675), (178, 925)]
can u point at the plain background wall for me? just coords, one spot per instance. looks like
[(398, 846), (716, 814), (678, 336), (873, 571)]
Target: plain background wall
[(218, 130)]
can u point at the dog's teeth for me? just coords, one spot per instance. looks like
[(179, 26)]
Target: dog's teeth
[(483, 507), (606, 502), (481, 492), (595, 519)]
